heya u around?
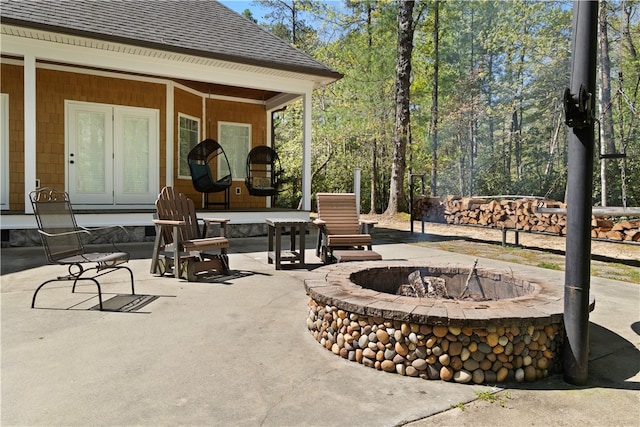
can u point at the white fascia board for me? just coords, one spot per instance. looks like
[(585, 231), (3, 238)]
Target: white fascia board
[(232, 74)]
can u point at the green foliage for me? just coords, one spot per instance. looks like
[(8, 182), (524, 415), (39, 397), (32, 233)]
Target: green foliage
[(503, 69), (549, 266), (491, 397)]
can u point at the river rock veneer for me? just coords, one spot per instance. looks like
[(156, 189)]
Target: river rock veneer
[(515, 332)]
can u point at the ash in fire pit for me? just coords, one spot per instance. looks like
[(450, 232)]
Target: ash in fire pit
[(436, 287), (444, 282), (423, 287)]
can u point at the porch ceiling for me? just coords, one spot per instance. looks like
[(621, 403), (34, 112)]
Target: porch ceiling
[(233, 91)]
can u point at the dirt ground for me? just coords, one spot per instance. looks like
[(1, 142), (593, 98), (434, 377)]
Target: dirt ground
[(621, 251), (617, 261)]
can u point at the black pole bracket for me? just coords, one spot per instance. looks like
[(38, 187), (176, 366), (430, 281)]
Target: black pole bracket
[(578, 109)]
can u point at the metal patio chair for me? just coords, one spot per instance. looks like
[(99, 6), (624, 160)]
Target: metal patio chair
[(181, 246), (62, 241), (264, 172), (204, 160)]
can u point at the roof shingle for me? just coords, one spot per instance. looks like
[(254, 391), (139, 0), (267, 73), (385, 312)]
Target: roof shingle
[(197, 27)]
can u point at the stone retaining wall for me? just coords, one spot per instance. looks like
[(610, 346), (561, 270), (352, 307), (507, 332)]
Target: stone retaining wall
[(517, 338), (30, 237), (462, 354)]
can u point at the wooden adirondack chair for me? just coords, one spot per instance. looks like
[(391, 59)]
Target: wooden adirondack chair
[(340, 229), (181, 247), (62, 242)]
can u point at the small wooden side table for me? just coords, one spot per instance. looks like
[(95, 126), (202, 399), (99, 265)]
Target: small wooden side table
[(275, 252)]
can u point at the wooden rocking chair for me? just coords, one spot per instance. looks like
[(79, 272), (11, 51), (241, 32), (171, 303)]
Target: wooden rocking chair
[(62, 242), (181, 247), (340, 231)]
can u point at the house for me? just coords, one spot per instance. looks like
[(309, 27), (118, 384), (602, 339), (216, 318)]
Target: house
[(104, 99)]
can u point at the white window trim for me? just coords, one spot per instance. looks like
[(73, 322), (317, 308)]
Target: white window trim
[(236, 175), (199, 130)]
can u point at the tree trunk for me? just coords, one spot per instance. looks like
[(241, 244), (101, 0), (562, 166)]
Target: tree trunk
[(513, 142), (607, 145), (518, 145), (294, 21), (473, 152), (434, 101), (461, 160), (552, 149), (633, 54), (626, 34), (374, 175), (519, 109), (401, 133), (374, 142), (472, 118)]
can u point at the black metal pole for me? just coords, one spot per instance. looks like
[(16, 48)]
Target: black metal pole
[(411, 201), (579, 106), (411, 190)]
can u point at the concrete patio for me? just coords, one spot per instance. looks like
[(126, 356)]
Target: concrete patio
[(236, 352)]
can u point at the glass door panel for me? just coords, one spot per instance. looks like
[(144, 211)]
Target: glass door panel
[(90, 153), (136, 155)]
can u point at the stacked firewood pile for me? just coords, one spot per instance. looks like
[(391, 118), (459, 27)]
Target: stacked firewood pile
[(520, 214), (605, 228)]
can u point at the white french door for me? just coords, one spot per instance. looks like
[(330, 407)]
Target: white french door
[(136, 155), (90, 153), (112, 154)]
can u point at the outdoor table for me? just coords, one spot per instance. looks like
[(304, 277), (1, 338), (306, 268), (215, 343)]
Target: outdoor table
[(276, 253)]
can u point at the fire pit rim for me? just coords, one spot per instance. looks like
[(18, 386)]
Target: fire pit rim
[(332, 285)]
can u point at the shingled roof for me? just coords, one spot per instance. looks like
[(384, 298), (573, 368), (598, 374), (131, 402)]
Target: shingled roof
[(196, 27)]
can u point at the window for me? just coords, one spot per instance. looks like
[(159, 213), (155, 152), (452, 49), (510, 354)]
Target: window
[(4, 151), (235, 139), (188, 137)]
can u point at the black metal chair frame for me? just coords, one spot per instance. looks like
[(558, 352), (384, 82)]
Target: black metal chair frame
[(263, 162), (62, 242), (199, 159)]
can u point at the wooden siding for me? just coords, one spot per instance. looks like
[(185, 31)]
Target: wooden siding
[(190, 104), (12, 82), (56, 86), (227, 111)]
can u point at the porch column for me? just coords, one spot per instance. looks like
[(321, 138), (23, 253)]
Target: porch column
[(269, 143), (29, 129), (169, 136), (306, 152)]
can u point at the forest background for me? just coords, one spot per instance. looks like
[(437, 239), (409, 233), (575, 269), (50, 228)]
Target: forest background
[(467, 93)]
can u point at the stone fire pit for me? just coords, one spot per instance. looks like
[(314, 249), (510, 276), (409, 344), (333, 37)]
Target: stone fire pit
[(506, 327)]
